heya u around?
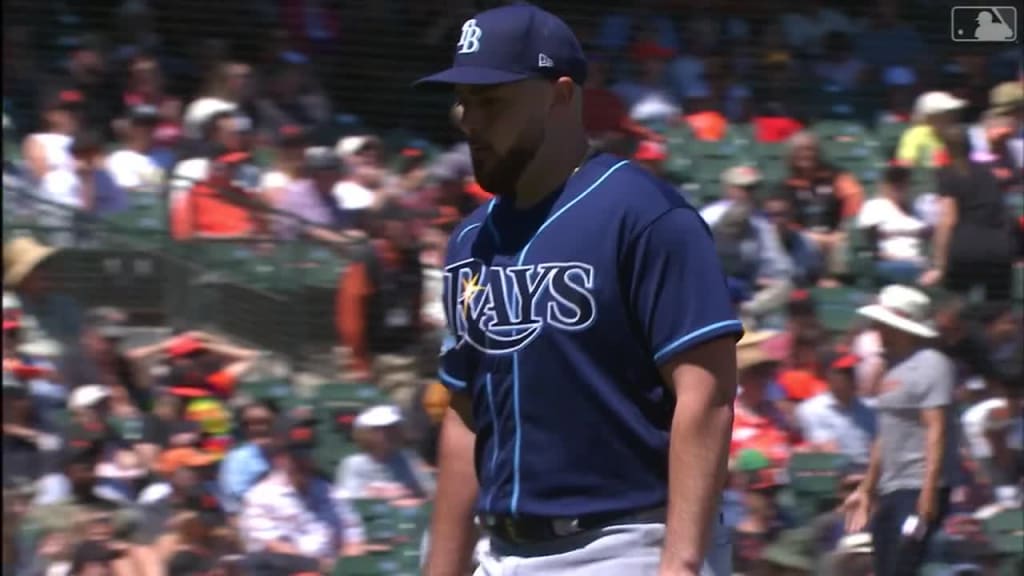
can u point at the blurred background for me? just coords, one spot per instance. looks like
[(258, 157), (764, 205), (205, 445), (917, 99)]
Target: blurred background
[(224, 224)]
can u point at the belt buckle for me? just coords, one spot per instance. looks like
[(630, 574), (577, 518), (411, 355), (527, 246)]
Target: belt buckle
[(508, 526)]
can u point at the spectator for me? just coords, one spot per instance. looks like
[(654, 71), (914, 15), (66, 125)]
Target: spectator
[(1006, 100), (836, 420), (706, 122), (28, 271), (894, 233), (228, 90), (217, 206), (758, 478), (50, 149), (140, 165), (379, 303), (824, 196), (145, 88), (88, 73), (605, 116), (247, 462), (651, 155), (913, 462), (1009, 173), (384, 469), (899, 83), (364, 172), (890, 41), (646, 95), (759, 424), (288, 164), (973, 242), (95, 188), (803, 375), (803, 254), (291, 512), (748, 247), (310, 203), (293, 96), (838, 66), (224, 132), (922, 144)]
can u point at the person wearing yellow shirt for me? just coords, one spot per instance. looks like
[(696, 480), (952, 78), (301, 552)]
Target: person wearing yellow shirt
[(920, 144)]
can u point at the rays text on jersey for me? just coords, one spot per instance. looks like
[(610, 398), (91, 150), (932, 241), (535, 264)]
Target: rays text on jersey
[(499, 310)]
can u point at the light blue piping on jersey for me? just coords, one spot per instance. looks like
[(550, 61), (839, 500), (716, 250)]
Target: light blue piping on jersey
[(676, 344), (497, 429), (490, 226), (515, 355)]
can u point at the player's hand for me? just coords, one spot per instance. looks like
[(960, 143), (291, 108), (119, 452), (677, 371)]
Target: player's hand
[(857, 510)]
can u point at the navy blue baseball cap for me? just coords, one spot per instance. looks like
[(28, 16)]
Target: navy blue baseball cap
[(513, 43)]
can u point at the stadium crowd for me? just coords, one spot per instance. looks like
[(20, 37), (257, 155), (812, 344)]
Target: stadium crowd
[(863, 189)]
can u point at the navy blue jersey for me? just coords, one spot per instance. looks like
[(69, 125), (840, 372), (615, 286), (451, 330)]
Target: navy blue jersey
[(559, 316)]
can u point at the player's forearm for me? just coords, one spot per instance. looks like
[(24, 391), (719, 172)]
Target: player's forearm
[(452, 533), (698, 455)]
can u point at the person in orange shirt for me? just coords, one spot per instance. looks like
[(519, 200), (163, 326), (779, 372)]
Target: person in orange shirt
[(706, 122), (217, 207), (379, 300)]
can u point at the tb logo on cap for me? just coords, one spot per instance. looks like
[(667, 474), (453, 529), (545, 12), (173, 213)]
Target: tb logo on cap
[(469, 42)]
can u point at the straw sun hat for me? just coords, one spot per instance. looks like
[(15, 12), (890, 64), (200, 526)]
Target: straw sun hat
[(22, 255)]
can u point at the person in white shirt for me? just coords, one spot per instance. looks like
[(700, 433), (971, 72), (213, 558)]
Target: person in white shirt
[(292, 510), (895, 232), (51, 149), (137, 166), (383, 469)]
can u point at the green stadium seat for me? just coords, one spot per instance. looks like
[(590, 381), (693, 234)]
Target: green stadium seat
[(837, 307), (1005, 530), (888, 135), (815, 473)]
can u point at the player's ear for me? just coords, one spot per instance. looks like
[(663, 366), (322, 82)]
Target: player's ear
[(564, 91)]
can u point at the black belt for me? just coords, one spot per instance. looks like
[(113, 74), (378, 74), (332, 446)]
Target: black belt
[(533, 529)]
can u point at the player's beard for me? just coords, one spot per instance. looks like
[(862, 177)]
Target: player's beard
[(499, 174)]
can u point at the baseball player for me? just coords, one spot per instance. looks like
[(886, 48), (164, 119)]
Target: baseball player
[(591, 346)]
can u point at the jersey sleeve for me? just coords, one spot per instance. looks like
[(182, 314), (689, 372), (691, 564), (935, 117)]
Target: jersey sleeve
[(678, 294)]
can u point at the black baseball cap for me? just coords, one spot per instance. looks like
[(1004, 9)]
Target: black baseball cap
[(513, 43)]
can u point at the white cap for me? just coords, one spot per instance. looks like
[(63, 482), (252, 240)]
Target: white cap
[(936, 102), (350, 145), (378, 417), (87, 396)]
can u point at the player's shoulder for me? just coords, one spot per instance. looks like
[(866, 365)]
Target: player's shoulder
[(629, 191), (469, 227)]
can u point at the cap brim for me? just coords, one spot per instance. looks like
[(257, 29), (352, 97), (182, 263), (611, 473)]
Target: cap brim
[(883, 315), (472, 75)]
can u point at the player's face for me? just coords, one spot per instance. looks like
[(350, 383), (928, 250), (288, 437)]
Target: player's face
[(505, 126)]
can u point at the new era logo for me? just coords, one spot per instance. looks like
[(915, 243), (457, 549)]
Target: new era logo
[(543, 61)]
